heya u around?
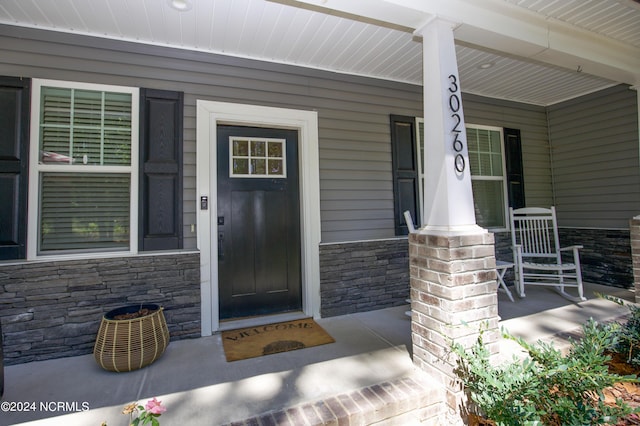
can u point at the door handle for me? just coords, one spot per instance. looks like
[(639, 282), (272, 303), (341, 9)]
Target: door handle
[(220, 245)]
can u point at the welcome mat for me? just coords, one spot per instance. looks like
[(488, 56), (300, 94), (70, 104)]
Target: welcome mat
[(269, 339)]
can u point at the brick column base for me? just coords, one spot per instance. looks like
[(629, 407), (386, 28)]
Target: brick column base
[(634, 231), (453, 294)]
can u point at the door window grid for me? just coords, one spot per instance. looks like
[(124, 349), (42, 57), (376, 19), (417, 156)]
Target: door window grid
[(257, 158)]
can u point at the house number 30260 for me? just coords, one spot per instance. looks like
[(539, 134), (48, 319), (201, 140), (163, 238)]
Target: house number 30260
[(454, 106)]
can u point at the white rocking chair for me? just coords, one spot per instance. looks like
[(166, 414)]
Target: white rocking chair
[(409, 220), (537, 253)]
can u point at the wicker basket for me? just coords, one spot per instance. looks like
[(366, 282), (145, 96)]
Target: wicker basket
[(129, 344)]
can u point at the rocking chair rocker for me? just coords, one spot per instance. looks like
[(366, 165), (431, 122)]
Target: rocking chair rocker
[(537, 253)]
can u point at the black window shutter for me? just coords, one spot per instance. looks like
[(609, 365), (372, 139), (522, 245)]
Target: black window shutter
[(160, 206), (405, 171), (14, 149), (515, 173)]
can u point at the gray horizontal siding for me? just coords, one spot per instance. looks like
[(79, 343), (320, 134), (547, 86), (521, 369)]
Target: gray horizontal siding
[(355, 153), (532, 122), (595, 159)]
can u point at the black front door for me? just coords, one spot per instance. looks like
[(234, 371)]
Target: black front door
[(259, 263)]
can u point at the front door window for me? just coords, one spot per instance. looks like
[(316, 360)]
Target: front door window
[(257, 157)]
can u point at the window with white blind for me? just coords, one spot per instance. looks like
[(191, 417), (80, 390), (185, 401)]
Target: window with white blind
[(83, 174), (488, 177), (487, 165)]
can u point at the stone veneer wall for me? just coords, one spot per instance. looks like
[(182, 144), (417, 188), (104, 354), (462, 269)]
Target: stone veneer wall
[(53, 309), (605, 258), (363, 276)]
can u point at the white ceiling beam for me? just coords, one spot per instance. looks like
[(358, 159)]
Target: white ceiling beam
[(376, 10), (503, 27)]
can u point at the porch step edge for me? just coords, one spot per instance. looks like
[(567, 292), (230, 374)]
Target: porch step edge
[(411, 399)]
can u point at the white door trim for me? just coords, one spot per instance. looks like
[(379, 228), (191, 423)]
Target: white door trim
[(208, 115)]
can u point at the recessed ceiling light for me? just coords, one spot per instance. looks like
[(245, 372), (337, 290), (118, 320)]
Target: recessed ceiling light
[(181, 5), (485, 65)]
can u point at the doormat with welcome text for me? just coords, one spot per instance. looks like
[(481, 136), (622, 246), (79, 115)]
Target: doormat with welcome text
[(269, 339)]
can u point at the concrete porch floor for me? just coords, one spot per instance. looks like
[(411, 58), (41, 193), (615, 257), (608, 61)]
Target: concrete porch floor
[(199, 387)]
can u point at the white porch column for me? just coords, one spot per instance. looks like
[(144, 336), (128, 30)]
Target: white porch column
[(448, 200), (452, 260)]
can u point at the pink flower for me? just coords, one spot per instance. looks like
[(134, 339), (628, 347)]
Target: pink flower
[(154, 406)]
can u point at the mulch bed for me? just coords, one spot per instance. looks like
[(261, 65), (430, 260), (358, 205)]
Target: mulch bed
[(628, 392)]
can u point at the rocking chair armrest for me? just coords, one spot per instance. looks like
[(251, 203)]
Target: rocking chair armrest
[(517, 253), (576, 247)]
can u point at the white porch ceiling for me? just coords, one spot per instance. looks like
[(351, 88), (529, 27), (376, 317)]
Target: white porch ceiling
[(333, 35)]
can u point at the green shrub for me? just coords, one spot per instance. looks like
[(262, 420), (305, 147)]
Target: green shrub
[(628, 337), (499, 393), (546, 387)]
